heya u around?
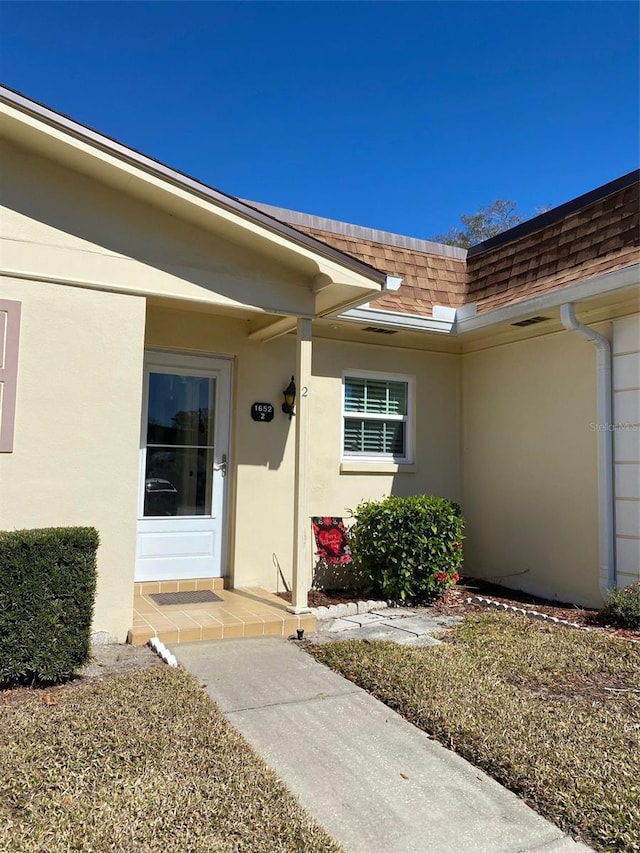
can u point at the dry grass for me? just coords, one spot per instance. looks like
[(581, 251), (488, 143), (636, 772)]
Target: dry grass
[(552, 714), (139, 762)]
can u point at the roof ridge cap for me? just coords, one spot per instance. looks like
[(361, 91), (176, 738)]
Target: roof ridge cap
[(556, 214), (347, 229)]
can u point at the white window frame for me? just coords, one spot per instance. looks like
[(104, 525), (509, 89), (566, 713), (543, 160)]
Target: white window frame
[(409, 418)]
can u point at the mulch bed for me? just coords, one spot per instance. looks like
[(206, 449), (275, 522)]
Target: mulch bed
[(583, 616), (327, 597), (454, 603)]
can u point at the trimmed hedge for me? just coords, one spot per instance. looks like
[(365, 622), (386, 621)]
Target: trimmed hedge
[(409, 548), (47, 591)]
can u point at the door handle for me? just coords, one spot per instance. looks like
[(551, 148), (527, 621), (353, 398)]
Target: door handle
[(222, 467)]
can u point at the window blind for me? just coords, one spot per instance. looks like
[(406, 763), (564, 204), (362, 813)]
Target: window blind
[(375, 396), (375, 416)]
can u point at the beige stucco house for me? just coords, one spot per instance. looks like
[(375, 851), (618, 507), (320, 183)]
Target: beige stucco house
[(150, 325)]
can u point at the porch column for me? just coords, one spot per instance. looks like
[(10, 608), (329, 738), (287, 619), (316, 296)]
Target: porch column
[(302, 551)]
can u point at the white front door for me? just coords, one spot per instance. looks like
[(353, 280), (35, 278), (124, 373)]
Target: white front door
[(184, 452)]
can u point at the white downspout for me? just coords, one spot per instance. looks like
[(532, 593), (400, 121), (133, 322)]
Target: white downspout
[(605, 444)]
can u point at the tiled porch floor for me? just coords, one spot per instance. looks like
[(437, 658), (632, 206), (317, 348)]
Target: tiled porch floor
[(241, 613)]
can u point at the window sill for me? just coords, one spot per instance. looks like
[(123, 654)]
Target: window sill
[(357, 467)]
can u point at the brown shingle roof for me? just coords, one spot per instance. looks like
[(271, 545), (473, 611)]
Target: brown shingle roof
[(594, 234), (599, 238), (427, 279)]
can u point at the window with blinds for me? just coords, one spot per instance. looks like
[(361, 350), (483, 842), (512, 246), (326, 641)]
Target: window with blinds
[(376, 417)]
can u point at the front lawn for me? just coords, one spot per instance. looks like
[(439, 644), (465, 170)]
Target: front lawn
[(553, 714), (139, 762)]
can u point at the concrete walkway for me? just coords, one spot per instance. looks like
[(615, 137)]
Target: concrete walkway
[(375, 782), (417, 626)]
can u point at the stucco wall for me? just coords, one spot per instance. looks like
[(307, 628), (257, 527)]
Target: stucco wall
[(77, 434), (626, 417), (530, 470), (262, 454), (436, 468)]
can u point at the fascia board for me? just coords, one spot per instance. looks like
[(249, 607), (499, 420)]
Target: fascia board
[(396, 320), (599, 286)]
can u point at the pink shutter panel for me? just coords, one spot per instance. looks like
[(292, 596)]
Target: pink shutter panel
[(9, 337)]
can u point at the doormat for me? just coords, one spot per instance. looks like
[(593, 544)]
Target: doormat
[(199, 596)]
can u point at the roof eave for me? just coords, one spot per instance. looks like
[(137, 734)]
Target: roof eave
[(177, 178), (601, 285)]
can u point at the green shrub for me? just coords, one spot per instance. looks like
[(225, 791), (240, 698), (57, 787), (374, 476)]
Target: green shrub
[(47, 591), (622, 607), (409, 548)]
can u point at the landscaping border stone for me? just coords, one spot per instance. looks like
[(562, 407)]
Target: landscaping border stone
[(335, 611), (530, 614)]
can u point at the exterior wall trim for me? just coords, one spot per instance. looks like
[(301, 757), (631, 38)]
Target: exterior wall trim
[(9, 346)]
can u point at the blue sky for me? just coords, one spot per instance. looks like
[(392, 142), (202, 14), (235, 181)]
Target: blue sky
[(396, 115)]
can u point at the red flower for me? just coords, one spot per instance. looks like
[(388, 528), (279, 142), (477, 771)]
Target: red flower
[(455, 577), (458, 544), (441, 576)]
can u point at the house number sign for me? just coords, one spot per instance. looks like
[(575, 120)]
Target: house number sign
[(262, 411)]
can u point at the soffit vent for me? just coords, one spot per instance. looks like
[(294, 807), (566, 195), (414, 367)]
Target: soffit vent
[(378, 330), (531, 321)]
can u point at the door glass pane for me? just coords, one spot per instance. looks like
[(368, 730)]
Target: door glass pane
[(181, 410), (180, 437), (178, 481)]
